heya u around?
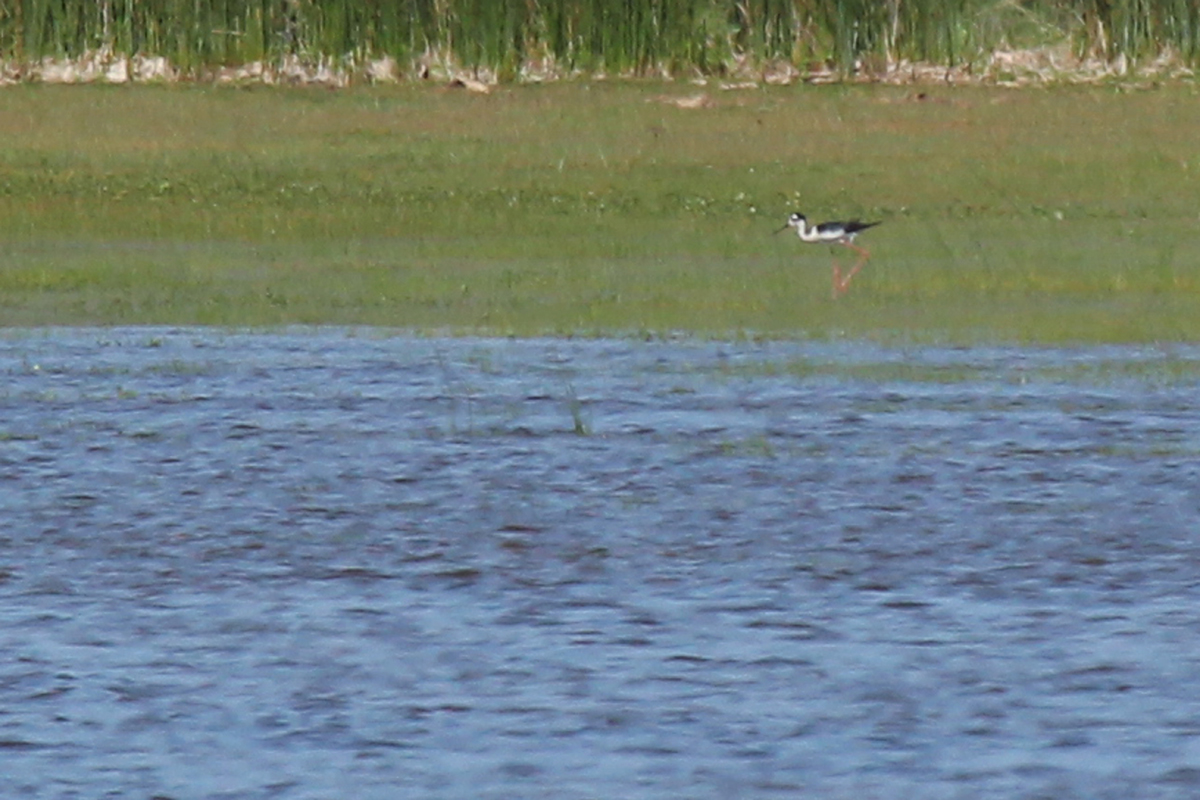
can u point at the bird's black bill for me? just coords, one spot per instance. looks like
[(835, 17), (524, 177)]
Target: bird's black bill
[(784, 228)]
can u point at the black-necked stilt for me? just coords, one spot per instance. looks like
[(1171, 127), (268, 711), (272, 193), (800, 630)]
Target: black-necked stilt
[(842, 233)]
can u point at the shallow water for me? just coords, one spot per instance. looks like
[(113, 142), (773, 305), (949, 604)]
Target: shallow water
[(329, 564)]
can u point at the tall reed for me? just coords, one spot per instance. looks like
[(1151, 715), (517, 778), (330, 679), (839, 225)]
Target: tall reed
[(613, 36)]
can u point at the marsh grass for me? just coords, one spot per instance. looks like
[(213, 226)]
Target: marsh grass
[(597, 209), (611, 36), (581, 423)]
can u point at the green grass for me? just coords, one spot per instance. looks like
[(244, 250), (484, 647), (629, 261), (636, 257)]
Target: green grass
[(613, 36), (582, 209)]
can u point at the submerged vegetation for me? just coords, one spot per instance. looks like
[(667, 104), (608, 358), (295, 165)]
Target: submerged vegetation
[(514, 38), (604, 208)]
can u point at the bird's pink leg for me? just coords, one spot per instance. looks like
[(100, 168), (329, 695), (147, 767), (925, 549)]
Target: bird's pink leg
[(842, 284), (837, 279)]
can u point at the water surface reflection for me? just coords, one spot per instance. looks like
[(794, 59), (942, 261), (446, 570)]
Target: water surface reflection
[(326, 564)]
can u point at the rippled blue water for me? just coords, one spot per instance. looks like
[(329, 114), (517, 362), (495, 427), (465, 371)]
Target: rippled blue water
[(334, 564)]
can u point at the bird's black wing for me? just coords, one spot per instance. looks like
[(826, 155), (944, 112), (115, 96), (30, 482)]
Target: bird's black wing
[(855, 226)]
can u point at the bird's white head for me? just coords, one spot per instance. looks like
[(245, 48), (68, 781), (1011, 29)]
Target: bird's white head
[(794, 220)]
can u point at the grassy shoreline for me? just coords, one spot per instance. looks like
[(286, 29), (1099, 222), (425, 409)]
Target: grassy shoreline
[(1040, 216)]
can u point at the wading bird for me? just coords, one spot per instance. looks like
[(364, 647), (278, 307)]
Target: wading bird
[(842, 233)]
